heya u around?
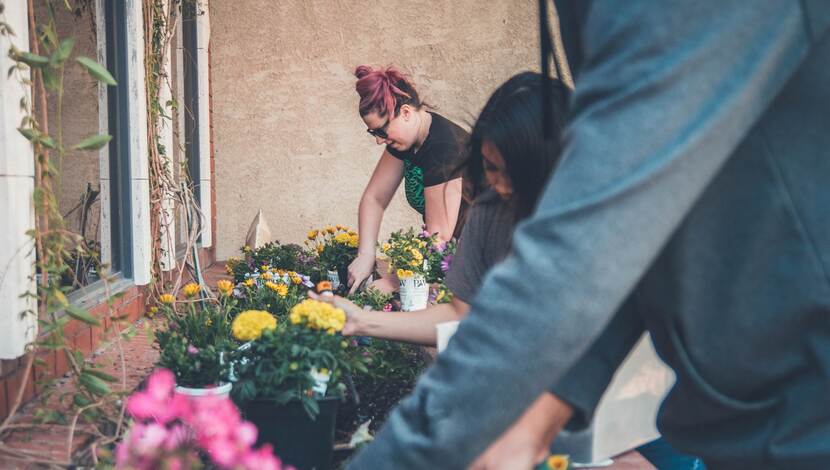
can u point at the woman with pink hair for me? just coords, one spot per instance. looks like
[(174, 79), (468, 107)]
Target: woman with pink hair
[(422, 148)]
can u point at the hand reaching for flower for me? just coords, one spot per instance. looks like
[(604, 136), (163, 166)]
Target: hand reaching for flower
[(360, 269)]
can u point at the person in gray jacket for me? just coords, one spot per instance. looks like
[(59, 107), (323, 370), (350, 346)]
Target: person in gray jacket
[(692, 200)]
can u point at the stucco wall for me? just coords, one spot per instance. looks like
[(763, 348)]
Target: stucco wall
[(288, 139)]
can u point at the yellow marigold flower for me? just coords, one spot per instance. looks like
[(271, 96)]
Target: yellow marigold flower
[(416, 254), (250, 324), (330, 229), (320, 248), (345, 239), (191, 289), (267, 275), (228, 269), (280, 289), (224, 286), (558, 462), (354, 241), (318, 315), (152, 312), (352, 233), (386, 247), (264, 268), (246, 249), (340, 227), (312, 234), (249, 282), (296, 280), (404, 273), (168, 299)]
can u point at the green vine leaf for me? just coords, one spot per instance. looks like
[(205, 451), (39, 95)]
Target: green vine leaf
[(101, 375), (62, 52), (96, 70), (29, 134), (32, 60), (51, 79), (81, 315), (48, 142), (94, 384), (94, 142)]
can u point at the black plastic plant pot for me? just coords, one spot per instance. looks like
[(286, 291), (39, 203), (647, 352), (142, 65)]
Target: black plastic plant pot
[(297, 439)]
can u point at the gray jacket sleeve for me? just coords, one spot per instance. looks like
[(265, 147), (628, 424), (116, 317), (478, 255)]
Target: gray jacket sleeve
[(665, 93), (584, 384)]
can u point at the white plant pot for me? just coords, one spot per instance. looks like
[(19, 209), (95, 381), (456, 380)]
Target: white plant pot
[(414, 293), (334, 278), (221, 390)]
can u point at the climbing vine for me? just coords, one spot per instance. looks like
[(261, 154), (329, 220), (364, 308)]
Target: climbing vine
[(96, 399)]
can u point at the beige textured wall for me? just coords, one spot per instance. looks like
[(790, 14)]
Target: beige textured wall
[(288, 138)]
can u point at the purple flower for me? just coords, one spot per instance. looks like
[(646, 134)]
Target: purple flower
[(192, 349), (446, 263)]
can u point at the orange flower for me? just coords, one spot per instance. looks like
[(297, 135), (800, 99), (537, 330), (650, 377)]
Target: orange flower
[(558, 462), (323, 286)]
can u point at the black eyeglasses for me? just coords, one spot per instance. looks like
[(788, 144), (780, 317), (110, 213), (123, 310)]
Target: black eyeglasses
[(380, 131)]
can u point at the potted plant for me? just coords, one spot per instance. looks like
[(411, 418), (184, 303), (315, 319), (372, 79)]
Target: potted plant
[(336, 248), (290, 379), (271, 289), (170, 432), (417, 259), (290, 257), (196, 339)]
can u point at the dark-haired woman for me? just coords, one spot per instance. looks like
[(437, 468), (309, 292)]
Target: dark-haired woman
[(509, 162), (422, 148)]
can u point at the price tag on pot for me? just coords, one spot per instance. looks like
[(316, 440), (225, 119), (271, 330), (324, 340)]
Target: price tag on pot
[(321, 381), (334, 278)]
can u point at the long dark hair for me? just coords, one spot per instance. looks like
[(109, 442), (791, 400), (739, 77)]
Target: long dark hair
[(512, 121)]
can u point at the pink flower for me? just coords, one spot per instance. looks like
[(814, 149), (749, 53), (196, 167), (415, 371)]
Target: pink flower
[(193, 350), (179, 436), (223, 452), (262, 459), (170, 429), (160, 384), (147, 439), (387, 308), (246, 434)]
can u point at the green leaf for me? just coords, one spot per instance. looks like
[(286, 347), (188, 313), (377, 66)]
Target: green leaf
[(82, 315), (32, 60), (30, 134), (51, 80), (62, 52), (81, 401), (96, 70), (48, 142), (94, 384), (101, 375), (94, 142)]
